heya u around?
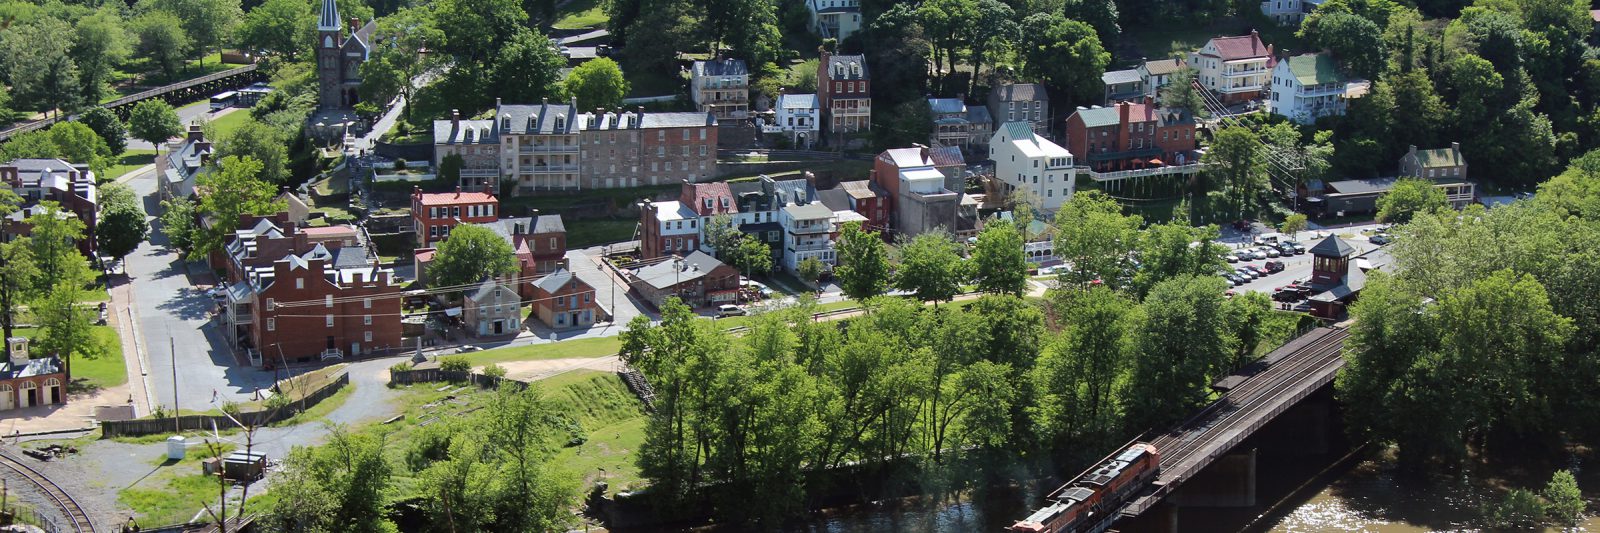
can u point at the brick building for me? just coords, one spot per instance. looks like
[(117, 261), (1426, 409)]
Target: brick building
[(698, 279), (561, 301), (1130, 136), (28, 382), (478, 144), (434, 213), (52, 180), (844, 90)]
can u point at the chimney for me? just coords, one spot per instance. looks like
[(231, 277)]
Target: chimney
[(17, 348), (1455, 147), (196, 133), (455, 119), (927, 155), (1122, 130), (355, 24), (458, 191)]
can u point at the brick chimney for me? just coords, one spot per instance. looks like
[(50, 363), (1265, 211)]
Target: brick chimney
[(355, 24), (1122, 129), (196, 133), (455, 119), (458, 191)]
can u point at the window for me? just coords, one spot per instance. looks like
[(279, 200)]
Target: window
[(685, 135), (488, 210), (327, 300), (299, 283), (366, 320), (272, 324), (1011, 106), (366, 336), (661, 151), (661, 135), (588, 297), (702, 150), (552, 243), (702, 137), (328, 320), (561, 300)]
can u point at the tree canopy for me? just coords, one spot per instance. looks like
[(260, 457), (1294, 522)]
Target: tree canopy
[(471, 254)]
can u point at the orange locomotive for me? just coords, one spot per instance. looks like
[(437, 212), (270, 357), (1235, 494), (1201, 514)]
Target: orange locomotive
[(1089, 504)]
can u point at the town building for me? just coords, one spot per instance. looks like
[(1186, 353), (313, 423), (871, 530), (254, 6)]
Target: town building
[(843, 89), (1131, 136), (299, 294), (539, 243), (548, 146), (1122, 85), (71, 186), (493, 309), (708, 200), (1289, 12), (923, 186), (1236, 69), (697, 278), (871, 201), (434, 213), (1307, 87), (835, 19), (721, 87), (1155, 75), (28, 381), (1437, 163), (799, 116), (1024, 160), (1350, 197), (477, 142), (758, 203), (807, 234), (341, 50), (561, 300), (181, 164), (1020, 102), (667, 228), (956, 124)]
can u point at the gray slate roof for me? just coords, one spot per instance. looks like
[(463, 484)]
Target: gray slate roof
[(662, 275), (808, 211), (943, 106), (835, 199), (979, 115), (485, 290), (1021, 92), (554, 281), (506, 228), (835, 63), (450, 132), (350, 257), (721, 67), (548, 224), (544, 116), (1120, 76), (798, 101), (678, 120), (1332, 246)]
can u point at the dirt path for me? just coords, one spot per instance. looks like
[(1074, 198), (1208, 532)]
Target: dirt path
[(536, 370)]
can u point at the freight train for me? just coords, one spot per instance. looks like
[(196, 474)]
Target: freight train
[(1089, 504)]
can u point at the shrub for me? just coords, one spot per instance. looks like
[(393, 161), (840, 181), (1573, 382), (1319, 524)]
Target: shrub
[(403, 366), (455, 363), (494, 371), (232, 408), (1563, 501), (277, 401), (399, 164)]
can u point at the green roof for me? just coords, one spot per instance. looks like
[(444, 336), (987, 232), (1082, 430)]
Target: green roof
[(1315, 69), (1104, 116), (1438, 157)]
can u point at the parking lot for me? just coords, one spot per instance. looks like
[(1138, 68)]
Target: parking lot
[(1297, 267)]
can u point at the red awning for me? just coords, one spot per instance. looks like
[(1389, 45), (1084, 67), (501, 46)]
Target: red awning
[(1156, 162)]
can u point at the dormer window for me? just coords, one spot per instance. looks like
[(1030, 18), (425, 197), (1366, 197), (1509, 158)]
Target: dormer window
[(708, 203), (561, 122), (505, 123)]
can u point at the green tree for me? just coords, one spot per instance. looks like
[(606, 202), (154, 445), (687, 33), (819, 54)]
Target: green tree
[(1576, 191), (947, 23), (1075, 379), (527, 69), (178, 224), (1293, 224), (722, 235), (1065, 54), (809, 269), (999, 263), (931, 267), (339, 486), (1564, 502), (1237, 170), (76, 143), (154, 121), (751, 256), (207, 22), (1101, 14), (159, 36), (105, 124), (1247, 314), (479, 30), (1180, 92), (261, 142), (863, 262), (1521, 509), (597, 83), (122, 226), (1095, 239), (17, 270), (65, 328), (450, 168), (1176, 249), (232, 190), (995, 28), (667, 25), (1417, 108), (53, 237), (1409, 197), (100, 44), (281, 27), (471, 254), (1179, 346), (390, 70), (748, 27), (38, 58), (1356, 42)]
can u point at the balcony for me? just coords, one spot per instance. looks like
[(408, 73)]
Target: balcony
[(1096, 156), (1239, 73), (852, 111), (526, 169), (480, 172), (548, 149), (803, 248)]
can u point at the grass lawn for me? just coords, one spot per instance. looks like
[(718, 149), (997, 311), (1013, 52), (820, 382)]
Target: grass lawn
[(580, 14), (174, 491), (229, 122), (100, 372), (128, 162), (612, 420), (591, 347), (586, 233)]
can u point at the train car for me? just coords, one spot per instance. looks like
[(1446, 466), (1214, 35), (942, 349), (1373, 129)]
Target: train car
[(1090, 503)]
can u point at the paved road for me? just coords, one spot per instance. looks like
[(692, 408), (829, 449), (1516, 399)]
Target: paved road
[(167, 305), (186, 115)]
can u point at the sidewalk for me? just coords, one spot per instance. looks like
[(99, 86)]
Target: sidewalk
[(121, 315)]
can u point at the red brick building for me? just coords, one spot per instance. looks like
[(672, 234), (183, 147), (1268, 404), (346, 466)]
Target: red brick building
[(1131, 136), (433, 214), (870, 200), (676, 146), (316, 305), (52, 180), (561, 301), (28, 382), (845, 93)]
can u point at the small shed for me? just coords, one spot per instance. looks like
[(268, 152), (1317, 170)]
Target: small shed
[(244, 466)]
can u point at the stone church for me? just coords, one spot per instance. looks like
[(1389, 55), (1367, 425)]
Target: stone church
[(341, 50)]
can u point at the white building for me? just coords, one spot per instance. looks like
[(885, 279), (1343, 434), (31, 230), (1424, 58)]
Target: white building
[(835, 18), (800, 116), (1025, 160), (1236, 68), (1310, 86), (1289, 12), (807, 233)]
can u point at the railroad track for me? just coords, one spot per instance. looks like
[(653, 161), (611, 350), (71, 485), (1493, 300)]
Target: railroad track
[(79, 521)]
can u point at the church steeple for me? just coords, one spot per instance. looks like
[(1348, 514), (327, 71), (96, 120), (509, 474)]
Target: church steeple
[(330, 17)]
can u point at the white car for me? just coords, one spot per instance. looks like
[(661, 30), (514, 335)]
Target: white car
[(727, 310)]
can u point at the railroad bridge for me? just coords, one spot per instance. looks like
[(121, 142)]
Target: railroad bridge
[(177, 93)]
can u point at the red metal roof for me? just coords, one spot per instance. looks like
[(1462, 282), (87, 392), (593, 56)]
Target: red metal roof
[(1241, 47), (451, 198)]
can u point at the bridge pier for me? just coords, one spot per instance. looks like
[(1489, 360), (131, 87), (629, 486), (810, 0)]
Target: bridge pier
[(1230, 481)]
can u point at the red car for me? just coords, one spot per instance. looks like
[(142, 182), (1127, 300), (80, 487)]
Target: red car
[(1274, 266)]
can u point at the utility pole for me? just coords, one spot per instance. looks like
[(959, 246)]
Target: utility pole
[(172, 346)]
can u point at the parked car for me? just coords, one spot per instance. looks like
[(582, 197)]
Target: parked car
[(1274, 266), (1273, 252), (727, 310), (1235, 279), (1231, 258), (1257, 271), (1380, 239), (468, 348), (1246, 274), (1258, 254), (1286, 296), (1298, 248)]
